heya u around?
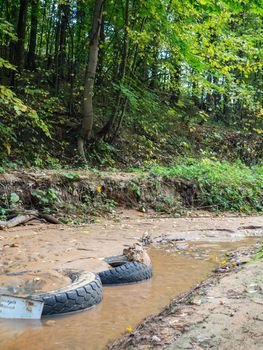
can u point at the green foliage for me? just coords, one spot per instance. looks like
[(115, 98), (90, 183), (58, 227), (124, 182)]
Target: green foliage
[(14, 198), (188, 63), (166, 204), (71, 176), (222, 186), (47, 200), (259, 253), (135, 188), (3, 213), (7, 33), (17, 120), (6, 64)]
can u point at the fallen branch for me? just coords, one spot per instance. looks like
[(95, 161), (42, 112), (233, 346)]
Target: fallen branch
[(250, 227), (18, 220), (23, 218), (50, 218)]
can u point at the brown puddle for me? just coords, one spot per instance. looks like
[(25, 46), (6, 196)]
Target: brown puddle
[(215, 252), (122, 306)]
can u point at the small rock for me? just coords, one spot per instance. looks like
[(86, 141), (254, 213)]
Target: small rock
[(137, 253), (155, 339), (181, 246), (196, 301), (201, 338), (243, 260)]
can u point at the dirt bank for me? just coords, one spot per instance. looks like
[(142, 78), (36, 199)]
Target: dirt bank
[(78, 196), (225, 312)]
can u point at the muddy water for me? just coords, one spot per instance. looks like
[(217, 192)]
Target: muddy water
[(122, 306)]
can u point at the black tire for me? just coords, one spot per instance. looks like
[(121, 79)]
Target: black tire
[(84, 292), (116, 260), (126, 272)]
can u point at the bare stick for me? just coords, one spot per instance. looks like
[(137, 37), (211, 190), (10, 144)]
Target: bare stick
[(18, 220), (50, 218)]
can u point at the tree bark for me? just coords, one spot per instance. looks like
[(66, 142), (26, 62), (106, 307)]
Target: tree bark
[(87, 102), (43, 25), (101, 54), (21, 30), (65, 10), (33, 35), (61, 37), (154, 71)]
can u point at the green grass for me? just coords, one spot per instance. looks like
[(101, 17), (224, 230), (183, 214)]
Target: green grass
[(259, 253), (222, 185)]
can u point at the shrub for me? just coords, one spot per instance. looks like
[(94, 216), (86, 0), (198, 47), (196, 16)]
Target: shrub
[(222, 186)]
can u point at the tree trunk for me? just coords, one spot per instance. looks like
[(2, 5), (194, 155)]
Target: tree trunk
[(87, 102), (43, 25), (71, 72), (60, 57), (122, 101), (63, 35), (114, 122), (50, 31), (154, 71), (175, 77), (21, 30), (80, 32), (33, 35), (101, 54), (56, 54)]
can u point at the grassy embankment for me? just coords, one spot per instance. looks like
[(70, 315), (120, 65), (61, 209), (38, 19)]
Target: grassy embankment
[(78, 196)]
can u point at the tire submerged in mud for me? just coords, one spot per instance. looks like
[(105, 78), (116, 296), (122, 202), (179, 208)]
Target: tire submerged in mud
[(124, 271), (84, 292)]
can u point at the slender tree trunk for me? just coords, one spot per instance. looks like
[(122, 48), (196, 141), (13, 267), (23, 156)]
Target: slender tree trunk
[(121, 107), (51, 39), (65, 10), (71, 71), (113, 123), (21, 30), (49, 29), (116, 55), (175, 77), (43, 25), (33, 35), (155, 47), (80, 28), (56, 54), (87, 103), (101, 54)]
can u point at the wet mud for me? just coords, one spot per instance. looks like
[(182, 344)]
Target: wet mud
[(224, 312), (45, 250)]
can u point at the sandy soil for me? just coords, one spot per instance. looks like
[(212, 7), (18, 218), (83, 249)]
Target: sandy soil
[(45, 250), (225, 312)]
